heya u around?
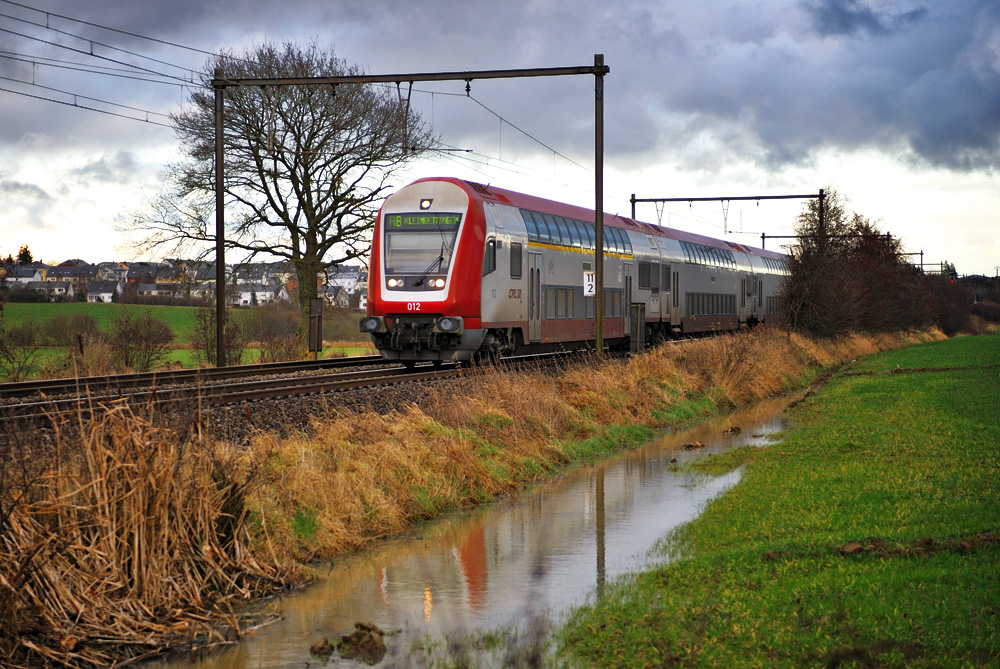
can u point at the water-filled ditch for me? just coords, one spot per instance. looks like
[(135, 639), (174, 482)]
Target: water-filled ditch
[(539, 555)]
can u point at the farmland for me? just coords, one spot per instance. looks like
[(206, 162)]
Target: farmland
[(867, 537)]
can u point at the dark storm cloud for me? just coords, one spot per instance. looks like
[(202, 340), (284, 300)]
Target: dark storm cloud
[(778, 89), (697, 84), (846, 17)]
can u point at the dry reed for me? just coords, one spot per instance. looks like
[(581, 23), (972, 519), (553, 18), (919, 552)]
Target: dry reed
[(126, 544)]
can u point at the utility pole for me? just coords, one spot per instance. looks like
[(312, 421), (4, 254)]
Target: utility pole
[(599, 205), (220, 226)]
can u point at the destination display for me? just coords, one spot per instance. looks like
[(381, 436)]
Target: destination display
[(422, 221)]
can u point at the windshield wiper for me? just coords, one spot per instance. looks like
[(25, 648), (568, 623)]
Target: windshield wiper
[(430, 268)]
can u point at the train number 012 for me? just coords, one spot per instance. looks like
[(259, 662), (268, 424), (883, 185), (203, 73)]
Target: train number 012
[(413, 306)]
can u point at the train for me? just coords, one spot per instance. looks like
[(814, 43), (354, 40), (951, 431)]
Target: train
[(461, 271)]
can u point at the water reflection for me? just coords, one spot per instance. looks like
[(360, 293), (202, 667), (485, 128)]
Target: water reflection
[(541, 554)]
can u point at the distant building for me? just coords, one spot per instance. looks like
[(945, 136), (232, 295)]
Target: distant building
[(53, 289), (103, 291)]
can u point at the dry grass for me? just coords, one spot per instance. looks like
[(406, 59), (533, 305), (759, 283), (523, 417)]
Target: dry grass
[(127, 542)]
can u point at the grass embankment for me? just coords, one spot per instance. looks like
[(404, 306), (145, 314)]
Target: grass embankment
[(868, 537), (119, 537), (360, 478)]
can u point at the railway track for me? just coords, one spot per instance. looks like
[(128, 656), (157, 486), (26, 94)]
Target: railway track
[(43, 400), (114, 382)]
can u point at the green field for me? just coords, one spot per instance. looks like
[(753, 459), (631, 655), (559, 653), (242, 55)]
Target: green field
[(180, 319), (868, 537)]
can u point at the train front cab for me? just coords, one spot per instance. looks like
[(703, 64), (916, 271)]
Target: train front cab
[(425, 274)]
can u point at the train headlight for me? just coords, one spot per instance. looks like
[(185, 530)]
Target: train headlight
[(426, 203), (394, 283), (449, 324), (437, 283), (371, 324)]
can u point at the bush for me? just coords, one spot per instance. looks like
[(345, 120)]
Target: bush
[(65, 330), (950, 302), (19, 294), (19, 350), (989, 311), (139, 342), (204, 339), (275, 329)]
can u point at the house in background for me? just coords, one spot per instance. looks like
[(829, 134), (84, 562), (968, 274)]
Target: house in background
[(102, 291), (55, 290), (23, 275), (79, 276), (112, 271), (252, 294)]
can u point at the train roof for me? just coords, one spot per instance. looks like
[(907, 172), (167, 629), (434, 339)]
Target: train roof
[(524, 201)]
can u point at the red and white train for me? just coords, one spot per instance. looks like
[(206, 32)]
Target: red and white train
[(459, 270)]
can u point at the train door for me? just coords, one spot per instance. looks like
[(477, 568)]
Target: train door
[(675, 311), (627, 307), (534, 297), (665, 292)]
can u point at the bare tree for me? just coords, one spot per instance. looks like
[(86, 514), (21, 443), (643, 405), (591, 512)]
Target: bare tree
[(306, 166)]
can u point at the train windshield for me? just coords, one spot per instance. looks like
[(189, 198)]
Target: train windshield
[(420, 242)]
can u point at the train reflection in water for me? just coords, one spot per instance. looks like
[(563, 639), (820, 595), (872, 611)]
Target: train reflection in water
[(541, 554)]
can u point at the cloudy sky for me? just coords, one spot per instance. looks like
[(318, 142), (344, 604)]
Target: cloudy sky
[(894, 103)]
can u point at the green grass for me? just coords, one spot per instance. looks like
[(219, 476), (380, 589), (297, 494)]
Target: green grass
[(868, 537), (180, 319)]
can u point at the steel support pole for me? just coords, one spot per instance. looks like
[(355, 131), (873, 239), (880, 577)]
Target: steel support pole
[(220, 228), (599, 201)]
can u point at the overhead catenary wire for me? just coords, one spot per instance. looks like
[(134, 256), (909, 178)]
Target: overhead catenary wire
[(95, 55), (79, 106), (41, 61), (95, 42), (109, 28), (85, 97)]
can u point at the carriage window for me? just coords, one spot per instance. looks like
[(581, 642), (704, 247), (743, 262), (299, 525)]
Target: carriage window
[(563, 230), (515, 261), (543, 230), (588, 230), (577, 233), (553, 228), (529, 224), (644, 275), (569, 232), (490, 257)]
